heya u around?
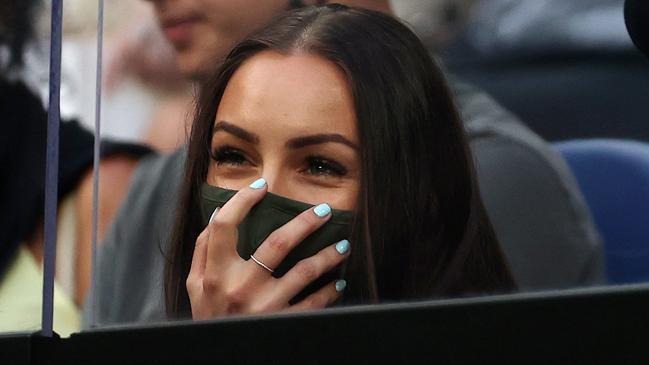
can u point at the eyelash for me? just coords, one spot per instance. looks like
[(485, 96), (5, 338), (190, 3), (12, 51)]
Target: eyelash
[(321, 166), (229, 155), (316, 165)]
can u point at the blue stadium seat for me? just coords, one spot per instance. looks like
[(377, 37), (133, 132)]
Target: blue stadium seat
[(614, 178)]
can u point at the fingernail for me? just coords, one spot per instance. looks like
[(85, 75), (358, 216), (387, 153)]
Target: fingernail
[(342, 247), (213, 214), (258, 184), (340, 285), (322, 210)]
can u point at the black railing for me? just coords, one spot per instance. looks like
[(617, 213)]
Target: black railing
[(607, 325)]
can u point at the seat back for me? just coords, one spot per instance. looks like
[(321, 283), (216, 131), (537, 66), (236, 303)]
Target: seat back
[(614, 177)]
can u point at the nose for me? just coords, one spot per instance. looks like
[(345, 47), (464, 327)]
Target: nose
[(277, 183)]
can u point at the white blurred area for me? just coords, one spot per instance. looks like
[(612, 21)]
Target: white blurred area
[(140, 80), (144, 97), (435, 21)]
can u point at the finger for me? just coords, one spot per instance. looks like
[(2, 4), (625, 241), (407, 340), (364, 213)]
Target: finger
[(197, 269), (321, 299), (236, 209), (279, 243), (308, 270), (199, 256), (223, 226)]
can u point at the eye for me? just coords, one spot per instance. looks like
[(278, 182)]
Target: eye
[(227, 155), (321, 166)]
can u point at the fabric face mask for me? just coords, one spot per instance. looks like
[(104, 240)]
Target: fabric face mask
[(272, 212)]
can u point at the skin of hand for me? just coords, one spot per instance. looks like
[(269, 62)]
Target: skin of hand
[(220, 283)]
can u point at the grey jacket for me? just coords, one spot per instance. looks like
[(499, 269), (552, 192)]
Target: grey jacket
[(542, 222), (508, 27)]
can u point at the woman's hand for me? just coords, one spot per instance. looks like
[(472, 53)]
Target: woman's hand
[(221, 283)]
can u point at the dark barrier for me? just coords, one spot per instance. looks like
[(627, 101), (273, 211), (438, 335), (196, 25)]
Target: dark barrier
[(608, 325)]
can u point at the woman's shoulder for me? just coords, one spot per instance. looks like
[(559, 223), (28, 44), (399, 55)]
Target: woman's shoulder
[(158, 173)]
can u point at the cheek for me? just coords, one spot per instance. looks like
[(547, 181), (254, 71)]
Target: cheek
[(237, 181), (209, 40), (346, 200), (342, 197)]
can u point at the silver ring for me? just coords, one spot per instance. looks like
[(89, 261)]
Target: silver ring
[(261, 264)]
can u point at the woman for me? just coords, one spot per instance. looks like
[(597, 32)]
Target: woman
[(342, 109)]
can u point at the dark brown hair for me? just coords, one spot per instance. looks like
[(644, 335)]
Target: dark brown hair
[(421, 229)]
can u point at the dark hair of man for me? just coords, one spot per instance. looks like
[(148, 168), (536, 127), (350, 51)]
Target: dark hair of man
[(421, 230), (16, 28)]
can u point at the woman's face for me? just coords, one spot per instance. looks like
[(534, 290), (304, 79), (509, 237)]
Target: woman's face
[(291, 120), (202, 31)]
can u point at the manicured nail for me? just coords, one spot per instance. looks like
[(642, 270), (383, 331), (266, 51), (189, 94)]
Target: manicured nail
[(340, 285), (342, 247), (322, 210), (258, 184), (213, 214)]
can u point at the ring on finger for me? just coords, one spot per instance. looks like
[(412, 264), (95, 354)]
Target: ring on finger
[(261, 264)]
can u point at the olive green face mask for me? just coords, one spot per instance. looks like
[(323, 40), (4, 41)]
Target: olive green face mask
[(272, 212)]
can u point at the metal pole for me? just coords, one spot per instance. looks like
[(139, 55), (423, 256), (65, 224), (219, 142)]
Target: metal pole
[(52, 169)]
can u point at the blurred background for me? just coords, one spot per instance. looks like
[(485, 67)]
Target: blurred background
[(553, 50)]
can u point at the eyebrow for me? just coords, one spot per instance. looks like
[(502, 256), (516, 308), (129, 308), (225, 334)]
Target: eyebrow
[(236, 131), (301, 142), (295, 143)]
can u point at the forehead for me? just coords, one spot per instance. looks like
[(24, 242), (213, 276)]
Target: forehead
[(298, 93)]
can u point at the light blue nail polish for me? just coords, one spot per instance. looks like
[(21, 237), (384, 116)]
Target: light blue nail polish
[(342, 247), (340, 285), (258, 184), (322, 210)]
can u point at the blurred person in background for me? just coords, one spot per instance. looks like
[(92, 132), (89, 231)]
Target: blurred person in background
[(531, 197), (141, 61), (22, 158), (566, 67)]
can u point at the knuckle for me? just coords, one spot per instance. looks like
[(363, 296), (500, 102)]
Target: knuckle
[(331, 258), (211, 284), (219, 224), (202, 238), (307, 218), (307, 270), (247, 196), (233, 308), (277, 242), (235, 296), (191, 286), (316, 301), (259, 308)]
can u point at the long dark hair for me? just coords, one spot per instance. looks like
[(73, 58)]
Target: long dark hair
[(421, 229)]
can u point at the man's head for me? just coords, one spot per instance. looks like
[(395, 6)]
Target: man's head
[(16, 28), (203, 31)]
